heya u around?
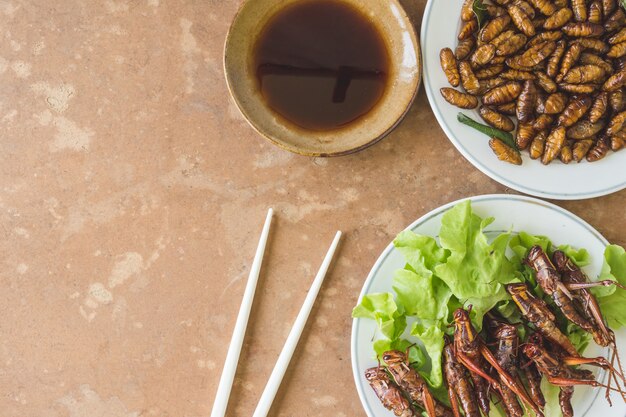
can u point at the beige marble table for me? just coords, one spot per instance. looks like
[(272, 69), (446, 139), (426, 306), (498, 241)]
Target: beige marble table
[(132, 194)]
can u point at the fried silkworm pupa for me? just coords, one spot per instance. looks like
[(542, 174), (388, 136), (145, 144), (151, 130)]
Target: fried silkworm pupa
[(532, 56), (592, 43), (546, 7), (549, 36), (537, 145), (555, 103), (482, 55), (616, 124), (554, 144), (540, 103), (578, 88), (502, 94), (525, 134), (503, 36), (525, 109), (498, 60), (558, 19), (569, 58), (542, 122), (504, 152), (494, 28), (580, 149), (495, 119), (584, 129), (517, 75), (566, 156), (507, 108), (583, 29), (526, 8), (538, 22), (608, 6), (449, 66), (495, 11), (468, 29), (552, 68), (617, 143), (490, 83), (467, 12), (584, 74), (616, 99), (464, 48), (511, 45), (591, 59), (599, 106), (619, 37), (579, 7), (599, 150), (489, 72), (502, 2), (575, 109), (595, 12), (615, 21), (468, 80), (521, 20), (615, 81), (617, 50), (456, 98), (546, 82)]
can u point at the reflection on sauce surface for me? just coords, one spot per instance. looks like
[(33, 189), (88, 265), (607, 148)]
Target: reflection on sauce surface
[(321, 64)]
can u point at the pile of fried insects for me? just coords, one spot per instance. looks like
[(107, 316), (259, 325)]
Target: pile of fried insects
[(558, 67), (501, 365)]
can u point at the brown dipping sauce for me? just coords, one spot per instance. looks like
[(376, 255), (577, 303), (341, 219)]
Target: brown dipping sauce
[(321, 64)]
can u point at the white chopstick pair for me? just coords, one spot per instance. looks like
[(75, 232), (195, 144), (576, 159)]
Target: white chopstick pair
[(232, 357)]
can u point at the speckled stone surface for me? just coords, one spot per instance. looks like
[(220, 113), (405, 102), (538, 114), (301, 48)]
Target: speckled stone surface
[(132, 194)]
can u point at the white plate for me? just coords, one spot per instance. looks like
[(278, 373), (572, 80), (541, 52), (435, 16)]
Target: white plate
[(516, 213), (557, 180)]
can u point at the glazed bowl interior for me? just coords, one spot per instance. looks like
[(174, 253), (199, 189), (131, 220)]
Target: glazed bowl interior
[(404, 78)]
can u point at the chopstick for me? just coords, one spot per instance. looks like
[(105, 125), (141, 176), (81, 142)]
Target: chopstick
[(232, 357), (282, 363)]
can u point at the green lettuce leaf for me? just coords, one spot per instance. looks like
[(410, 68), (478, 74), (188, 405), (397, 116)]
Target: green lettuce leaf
[(522, 242), (579, 256), (432, 339), (424, 296), (612, 299), (416, 356), (422, 253), (382, 307), (551, 395)]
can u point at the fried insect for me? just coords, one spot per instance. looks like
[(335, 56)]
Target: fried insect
[(502, 94), (388, 393), (504, 152), (450, 66), (617, 143), (511, 45), (472, 353), (583, 29), (460, 389), (617, 50), (489, 72), (595, 12), (468, 80), (517, 75), (506, 354), (546, 7), (468, 29), (482, 55), (496, 119), (494, 28), (575, 109), (616, 21), (554, 144), (456, 98), (569, 58), (598, 109), (619, 37), (526, 8), (555, 59), (536, 311), (525, 109), (599, 150), (549, 36), (555, 103), (413, 384), (542, 122), (490, 83), (616, 124), (546, 82), (495, 11), (591, 59), (584, 74), (584, 129), (594, 44), (533, 56), (608, 6), (521, 20), (615, 81), (617, 100), (578, 88), (464, 48), (507, 108), (580, 149), (580, 10), (467, 12), (538, 145), (558, 19), (525, 133)]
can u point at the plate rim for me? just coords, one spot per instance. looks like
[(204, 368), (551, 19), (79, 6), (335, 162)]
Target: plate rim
[(428, 87), (434, 212)]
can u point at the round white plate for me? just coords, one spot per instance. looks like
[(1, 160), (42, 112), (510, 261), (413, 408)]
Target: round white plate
[(557, 180), (515, 213)]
